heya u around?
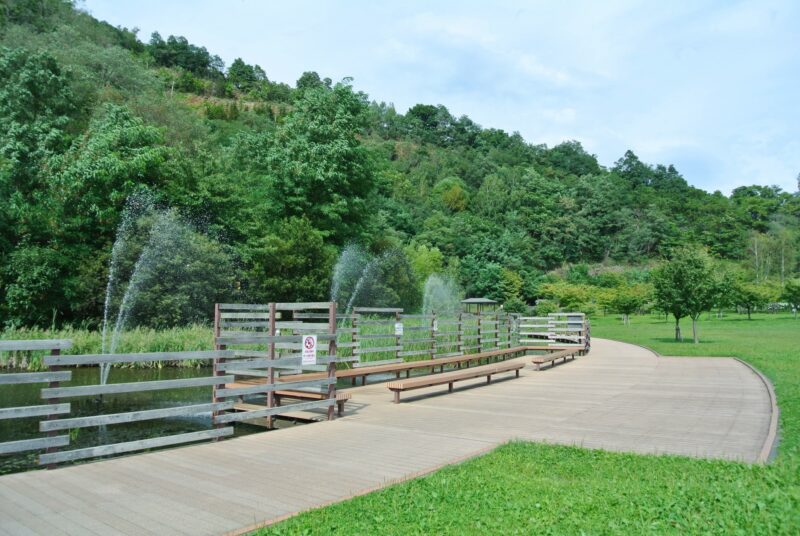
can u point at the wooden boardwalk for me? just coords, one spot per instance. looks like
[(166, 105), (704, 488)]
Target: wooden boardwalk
[(620, 397)]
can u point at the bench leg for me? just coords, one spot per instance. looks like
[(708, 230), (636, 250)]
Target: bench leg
[(364, 380), (450, 387), (441, 369), (408, 373), (397, 397), (339, 408), (517, 371), (353, 380), (397, 374), (489, 378), (538, 366)]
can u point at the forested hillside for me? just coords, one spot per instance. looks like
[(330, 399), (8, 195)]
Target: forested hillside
[(276, 179)]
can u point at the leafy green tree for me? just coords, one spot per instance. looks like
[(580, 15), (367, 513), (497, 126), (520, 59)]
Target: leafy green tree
[(118, 154), (750, 296), (510, 286), (292, 263), (35, 107), (34, 292), (316, 165), (242, 75), (685, 286), (452, 193), (628, 300), (570, 297), (424, 260), (791, 293)]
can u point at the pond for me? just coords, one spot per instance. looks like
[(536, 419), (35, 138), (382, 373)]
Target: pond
[(28, 395)]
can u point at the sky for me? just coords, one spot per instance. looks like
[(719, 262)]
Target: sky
[(711, 87)]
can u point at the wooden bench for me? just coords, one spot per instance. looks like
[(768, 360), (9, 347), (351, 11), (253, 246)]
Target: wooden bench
[(341, 398), (551, 358), (450, 378), (407, 367)]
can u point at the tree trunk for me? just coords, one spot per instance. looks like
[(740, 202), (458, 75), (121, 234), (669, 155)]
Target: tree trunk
[(695, 335), (748, 313), (678, 336)]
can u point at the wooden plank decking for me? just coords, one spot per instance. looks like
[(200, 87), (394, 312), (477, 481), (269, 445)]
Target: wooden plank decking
[(620, 397)]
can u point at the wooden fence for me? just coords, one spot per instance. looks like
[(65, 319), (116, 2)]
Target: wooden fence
[(99, 390), (384, 335), (562, 330), (254, 345), (269, 340), (51, 440)]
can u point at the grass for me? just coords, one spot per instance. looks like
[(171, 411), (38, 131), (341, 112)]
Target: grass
[(528, 488), (189, 338)]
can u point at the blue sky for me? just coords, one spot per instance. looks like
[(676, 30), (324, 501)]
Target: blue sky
[(712, 87)]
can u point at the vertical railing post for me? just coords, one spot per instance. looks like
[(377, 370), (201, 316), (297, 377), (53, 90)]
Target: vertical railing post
[(433, 333), (397, 338), (52, 416), (273, 310), (217, 370), (354, 338), (480, 333), (459, 335), (332, 359)]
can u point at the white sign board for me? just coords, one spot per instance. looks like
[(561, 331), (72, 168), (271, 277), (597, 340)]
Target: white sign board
[(435, 325), (309, 350), (398, 329)]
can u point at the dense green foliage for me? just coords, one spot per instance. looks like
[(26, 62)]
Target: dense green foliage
[(526, 488), (283, 177)]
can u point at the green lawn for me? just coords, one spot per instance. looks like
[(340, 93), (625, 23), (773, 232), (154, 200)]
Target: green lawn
[(529, 488)]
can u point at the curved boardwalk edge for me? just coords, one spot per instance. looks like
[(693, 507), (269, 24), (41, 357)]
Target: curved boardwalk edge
[(769, 450), (770, 446)]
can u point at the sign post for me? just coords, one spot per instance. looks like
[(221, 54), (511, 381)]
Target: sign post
[(309, 350)]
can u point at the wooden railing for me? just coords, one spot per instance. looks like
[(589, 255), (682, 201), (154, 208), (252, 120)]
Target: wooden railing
[(569, 330), (96, 390), (51, 441), (273, 335), (385, 335)]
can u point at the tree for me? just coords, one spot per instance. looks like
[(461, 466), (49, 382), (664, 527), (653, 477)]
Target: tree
[(242, 75), (289, 263), (315, 164), (791, 293), (750, 296), (627, 300), (684, 286)]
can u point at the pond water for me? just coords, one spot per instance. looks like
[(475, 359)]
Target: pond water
[(29, 395)]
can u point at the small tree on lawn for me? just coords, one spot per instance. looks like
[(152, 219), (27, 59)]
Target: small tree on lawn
[(791, 293), (725, 293), (750, 296), (628, 300), (685, 286)]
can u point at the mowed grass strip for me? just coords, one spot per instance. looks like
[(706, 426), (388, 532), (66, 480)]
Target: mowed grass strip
[(527, 488)]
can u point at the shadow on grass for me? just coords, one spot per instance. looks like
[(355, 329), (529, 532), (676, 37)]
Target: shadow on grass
[(671, 340)]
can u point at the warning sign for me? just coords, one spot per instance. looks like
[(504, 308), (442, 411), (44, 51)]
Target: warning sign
[(398, 329), (309, 350)]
